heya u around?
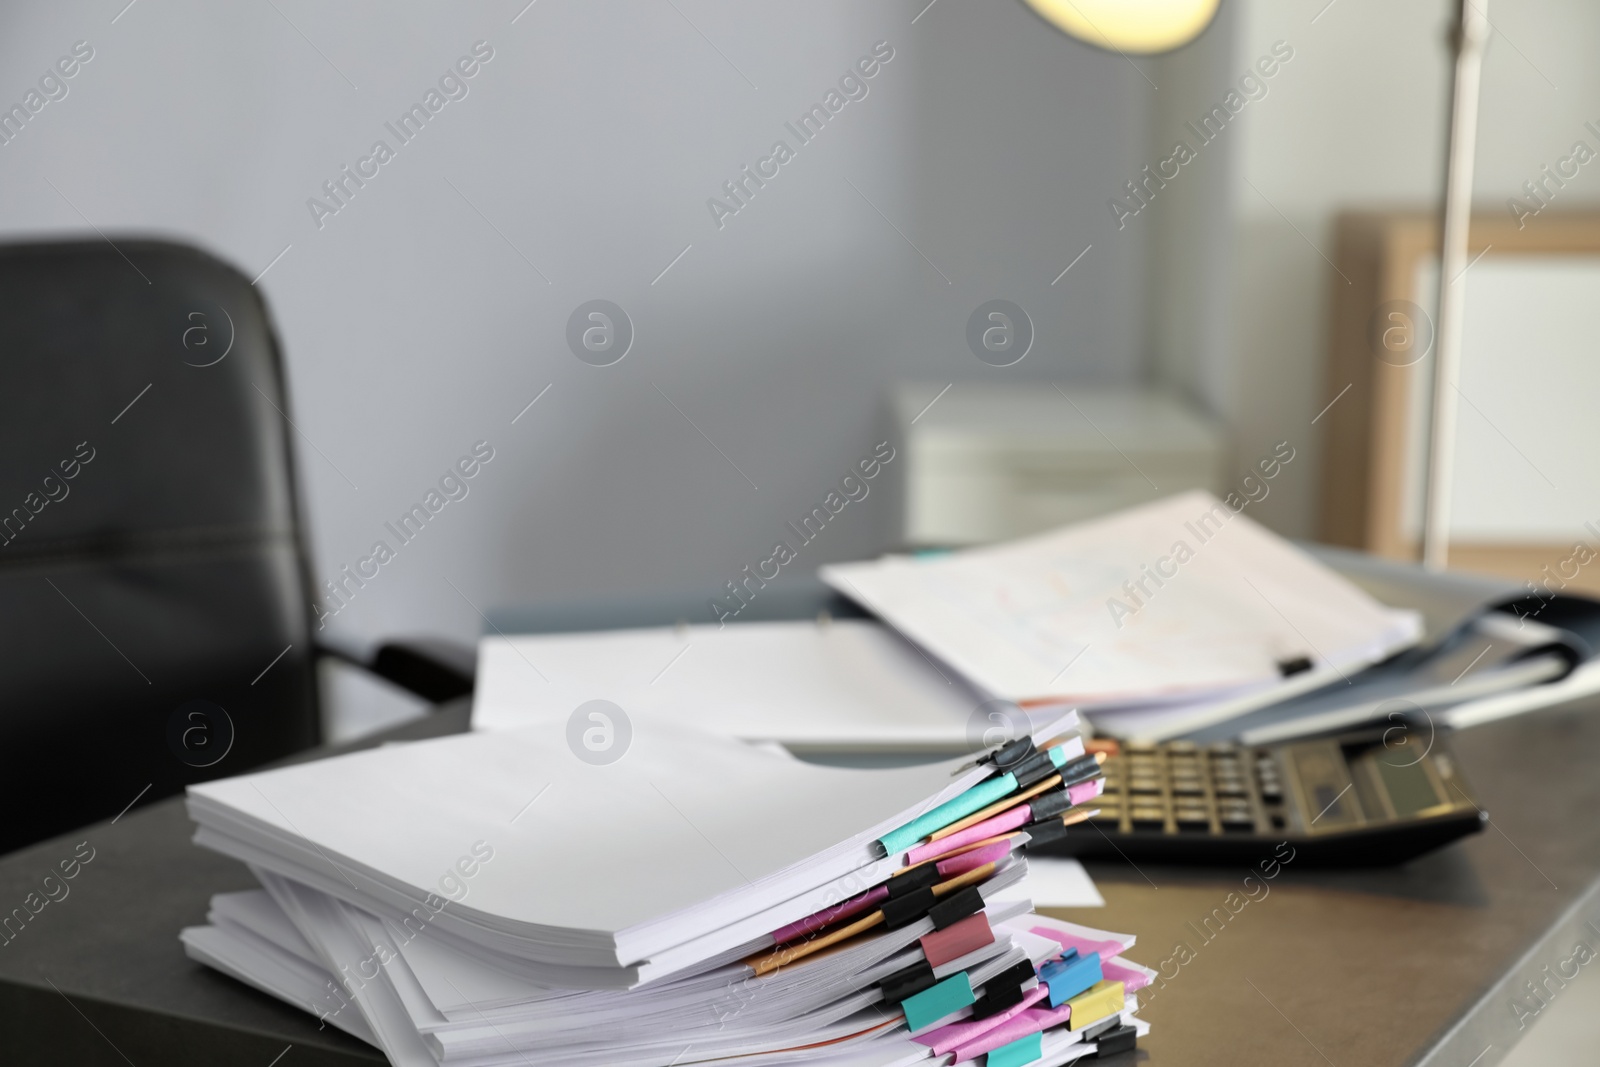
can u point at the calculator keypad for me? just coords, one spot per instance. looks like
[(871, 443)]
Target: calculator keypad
[(1184, 788)]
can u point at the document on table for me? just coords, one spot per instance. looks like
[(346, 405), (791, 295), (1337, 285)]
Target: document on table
[(1059, 882), (845, 684), (1168, 602)]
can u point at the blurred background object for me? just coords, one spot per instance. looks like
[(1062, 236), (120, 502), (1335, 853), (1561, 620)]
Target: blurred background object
[(154, 595), (995, 462), (1142, 27), (1527, 356)]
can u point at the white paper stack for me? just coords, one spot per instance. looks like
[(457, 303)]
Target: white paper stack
[(1179, 609), (494, 898)]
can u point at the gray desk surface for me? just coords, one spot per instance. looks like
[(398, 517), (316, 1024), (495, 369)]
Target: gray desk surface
[(1417, 964)]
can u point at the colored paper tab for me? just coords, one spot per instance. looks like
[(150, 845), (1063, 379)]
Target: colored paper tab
[(957, 939), (1023, 1050), (1104, 998), (1033, 1020), (1132, 980), (931, 1005), (952, 1036), (1069, 977), (999, 824), (812, 923), (1086, 790), (979, 796), (1066, 939), (969, 861)]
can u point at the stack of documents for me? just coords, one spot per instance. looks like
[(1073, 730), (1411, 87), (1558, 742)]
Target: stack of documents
[(497, 898), (1149, 613)]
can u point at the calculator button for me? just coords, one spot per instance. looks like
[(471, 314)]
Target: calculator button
[(1238, 824), (1188, 787), (1145, 785), (1148, 818)]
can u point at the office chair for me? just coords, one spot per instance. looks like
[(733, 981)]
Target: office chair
[(155, 593)]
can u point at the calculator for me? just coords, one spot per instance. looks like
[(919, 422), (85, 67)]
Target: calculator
[(1349, 800)]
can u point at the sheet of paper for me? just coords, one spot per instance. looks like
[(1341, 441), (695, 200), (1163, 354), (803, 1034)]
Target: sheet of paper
[(1182, 596), (846, 684), (1057, 882)]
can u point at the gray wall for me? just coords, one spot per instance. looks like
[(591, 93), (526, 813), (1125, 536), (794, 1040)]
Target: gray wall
[(416, 322)]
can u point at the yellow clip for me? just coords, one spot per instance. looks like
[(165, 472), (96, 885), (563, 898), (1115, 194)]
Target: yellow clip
[(1103, 998)]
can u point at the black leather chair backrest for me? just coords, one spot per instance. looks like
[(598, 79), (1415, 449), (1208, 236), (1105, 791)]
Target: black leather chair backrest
[(155, 627)]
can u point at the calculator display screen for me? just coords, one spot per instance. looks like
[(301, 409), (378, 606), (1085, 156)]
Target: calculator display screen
[(1410, 790)]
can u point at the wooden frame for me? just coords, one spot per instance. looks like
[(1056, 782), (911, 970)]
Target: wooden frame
[(1365, 437)]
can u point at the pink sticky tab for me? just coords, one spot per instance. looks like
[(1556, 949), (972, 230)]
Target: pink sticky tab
[(1084, 945), (1119, 972), (811, 923), (953, 1035), (1028, 1022), (1002, 823), (1086, 790), (968, 861)]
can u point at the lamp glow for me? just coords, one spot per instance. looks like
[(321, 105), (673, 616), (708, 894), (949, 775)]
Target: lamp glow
[(1141, 27)]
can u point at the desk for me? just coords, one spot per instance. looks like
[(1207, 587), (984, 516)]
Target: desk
[(1412, 965)]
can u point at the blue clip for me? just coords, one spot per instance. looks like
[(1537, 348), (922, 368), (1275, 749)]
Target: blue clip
[(1070, 975)]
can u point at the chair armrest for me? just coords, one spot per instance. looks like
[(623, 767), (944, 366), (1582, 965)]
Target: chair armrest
[(435, 670)]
